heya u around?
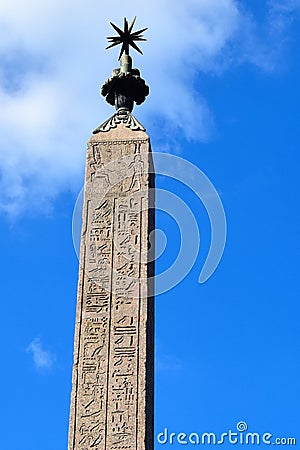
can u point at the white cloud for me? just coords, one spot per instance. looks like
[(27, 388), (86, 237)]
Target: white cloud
[(42, 359), (167, 363), (54, 63)]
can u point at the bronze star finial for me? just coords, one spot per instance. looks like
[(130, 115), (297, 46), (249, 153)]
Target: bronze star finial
[(126, 37)]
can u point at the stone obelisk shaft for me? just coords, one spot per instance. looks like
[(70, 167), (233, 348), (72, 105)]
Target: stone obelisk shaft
[(112, 388)]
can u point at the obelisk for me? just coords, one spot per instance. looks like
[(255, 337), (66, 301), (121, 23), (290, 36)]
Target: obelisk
[(112, 385)]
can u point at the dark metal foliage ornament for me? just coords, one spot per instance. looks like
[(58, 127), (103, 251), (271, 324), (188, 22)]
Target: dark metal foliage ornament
[(128, 85), (125, 87)]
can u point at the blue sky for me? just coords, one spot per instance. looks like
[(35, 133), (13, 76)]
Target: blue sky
[(224, 79)]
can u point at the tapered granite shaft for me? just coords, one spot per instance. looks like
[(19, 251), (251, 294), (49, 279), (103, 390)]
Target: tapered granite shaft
[(112, 386)]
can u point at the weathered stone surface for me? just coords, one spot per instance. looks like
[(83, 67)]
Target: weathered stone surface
[(112, 386)]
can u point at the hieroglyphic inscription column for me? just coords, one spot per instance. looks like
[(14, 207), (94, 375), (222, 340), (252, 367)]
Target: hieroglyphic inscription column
[(112, 390)]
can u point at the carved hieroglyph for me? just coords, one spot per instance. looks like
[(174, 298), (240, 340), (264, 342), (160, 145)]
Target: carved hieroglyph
[(112, 390)]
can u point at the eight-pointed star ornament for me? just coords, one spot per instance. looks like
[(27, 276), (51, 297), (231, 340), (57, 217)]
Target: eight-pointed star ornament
[(126, 37)]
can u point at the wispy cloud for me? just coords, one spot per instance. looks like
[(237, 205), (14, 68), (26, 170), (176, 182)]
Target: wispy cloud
[(167, 363), (42, 358), (53, 62)]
